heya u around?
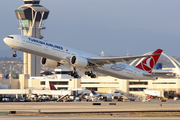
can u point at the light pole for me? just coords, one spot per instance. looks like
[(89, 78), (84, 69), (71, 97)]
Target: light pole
[(10, 74)]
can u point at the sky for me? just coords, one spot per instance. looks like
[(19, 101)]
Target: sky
[(116, 27)]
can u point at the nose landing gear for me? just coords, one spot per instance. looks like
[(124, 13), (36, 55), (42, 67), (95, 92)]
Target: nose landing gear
[(14, 55)]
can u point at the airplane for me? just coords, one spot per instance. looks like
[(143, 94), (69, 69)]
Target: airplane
[(80, 91), (104, 94), (54, 55)]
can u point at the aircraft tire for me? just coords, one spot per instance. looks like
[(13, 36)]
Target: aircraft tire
[(89, 74), (76, 76), (69, 73), (93, 76), (72, 74), (86, 73), (14, 55)]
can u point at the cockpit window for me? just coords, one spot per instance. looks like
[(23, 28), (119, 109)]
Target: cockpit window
[(10, 37)]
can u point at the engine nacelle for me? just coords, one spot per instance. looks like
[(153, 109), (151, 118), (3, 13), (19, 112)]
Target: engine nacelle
[(78, 61), (49, 63)]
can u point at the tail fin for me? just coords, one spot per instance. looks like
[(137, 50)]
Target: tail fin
[(93, 92), (7, 76), (148, 63), (52, 87)]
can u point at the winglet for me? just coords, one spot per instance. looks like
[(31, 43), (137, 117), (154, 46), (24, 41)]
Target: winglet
[(148, 63)]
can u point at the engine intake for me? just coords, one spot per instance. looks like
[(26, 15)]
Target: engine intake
[(78, 61), (49, 63)]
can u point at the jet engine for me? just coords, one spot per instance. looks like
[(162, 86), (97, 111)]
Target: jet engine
[(49, 63), (78, 61)]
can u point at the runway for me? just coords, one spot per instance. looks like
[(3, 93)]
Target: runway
[(59, 110), (84, 118), (91, 107)]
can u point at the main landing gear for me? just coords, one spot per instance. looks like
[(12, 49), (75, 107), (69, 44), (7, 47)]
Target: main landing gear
[(91, 74), (74, 73)]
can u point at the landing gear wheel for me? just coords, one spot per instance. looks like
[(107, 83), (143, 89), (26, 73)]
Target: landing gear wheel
[(14, 55), (87, 72), (76, 76), (74, 73), (93, 76), (90, 74), (70, 73)]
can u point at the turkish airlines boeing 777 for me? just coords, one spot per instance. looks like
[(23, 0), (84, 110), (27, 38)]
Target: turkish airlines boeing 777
[(54, 55)]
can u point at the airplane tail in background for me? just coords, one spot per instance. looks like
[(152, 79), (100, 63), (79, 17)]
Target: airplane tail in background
[(52, 87), (148, 63), (93, 92), (7, 76)]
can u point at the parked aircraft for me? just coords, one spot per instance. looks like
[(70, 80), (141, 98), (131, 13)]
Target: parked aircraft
[(104, 94), (79, 91), (54, 55)]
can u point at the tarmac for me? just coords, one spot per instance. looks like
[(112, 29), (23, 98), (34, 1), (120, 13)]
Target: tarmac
[(84, 118), (62, 109), (90, 107)]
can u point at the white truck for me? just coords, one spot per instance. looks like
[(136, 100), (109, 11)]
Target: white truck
[(155, 93)]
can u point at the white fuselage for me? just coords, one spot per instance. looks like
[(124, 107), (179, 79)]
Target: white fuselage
[(62, 53)]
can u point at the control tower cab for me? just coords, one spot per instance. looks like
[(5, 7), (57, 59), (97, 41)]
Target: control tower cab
[(31, 16)]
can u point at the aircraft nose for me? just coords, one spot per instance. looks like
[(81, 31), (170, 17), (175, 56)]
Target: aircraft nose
[(8, 40), (5, 40)]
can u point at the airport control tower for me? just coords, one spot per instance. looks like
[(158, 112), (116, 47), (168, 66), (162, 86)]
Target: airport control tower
[(31, 16)]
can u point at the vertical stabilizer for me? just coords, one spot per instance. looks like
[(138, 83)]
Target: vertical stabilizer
[(93, 92), (52, 87), (148, 63), (7, 76)]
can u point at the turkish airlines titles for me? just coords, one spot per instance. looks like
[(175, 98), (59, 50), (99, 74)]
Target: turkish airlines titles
[(45, 43)]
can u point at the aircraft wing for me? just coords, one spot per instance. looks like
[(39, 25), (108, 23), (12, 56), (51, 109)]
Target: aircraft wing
[(113, 60)]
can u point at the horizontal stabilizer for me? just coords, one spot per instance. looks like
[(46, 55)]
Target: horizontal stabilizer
[(159, 75)]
